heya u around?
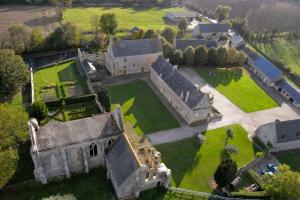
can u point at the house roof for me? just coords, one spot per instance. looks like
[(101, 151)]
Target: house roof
[(124, 48), (62, 134), (292, 91), (265, 66), (180, 85), (287, 131), (212, 28), (182, 14), (121, 160), (183, 44), (134, 29)]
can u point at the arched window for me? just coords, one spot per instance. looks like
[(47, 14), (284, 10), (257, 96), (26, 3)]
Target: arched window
[(93, 150), (110, 141)]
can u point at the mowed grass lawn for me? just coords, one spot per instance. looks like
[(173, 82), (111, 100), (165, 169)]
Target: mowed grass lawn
[(283, 50), (141, 108), (237, 86), (291, 158), (193, 165), (143, 18), (56, 75)]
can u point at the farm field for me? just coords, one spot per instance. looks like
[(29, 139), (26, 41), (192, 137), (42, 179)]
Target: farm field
[(237, 86), (143, 18), (286, 51), (141, 108), (58, 81), (33, 16)]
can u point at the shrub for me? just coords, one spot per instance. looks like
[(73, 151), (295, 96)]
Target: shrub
[(201, 55), (212, 56), (39, 110), (254, 177), (85, 98), (168, 50), (54, 104), (177, 57), (189, 55), (169, 34), (250, 195), (259, 154), (222, 56)]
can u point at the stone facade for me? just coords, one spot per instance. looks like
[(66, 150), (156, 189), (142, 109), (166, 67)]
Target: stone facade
[(125, 57), (210, 31)]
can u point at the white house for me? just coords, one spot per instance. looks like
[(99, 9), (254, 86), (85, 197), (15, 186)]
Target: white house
[(132, 56), (193, 105)]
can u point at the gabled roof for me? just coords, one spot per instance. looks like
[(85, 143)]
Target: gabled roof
[(62, 134), (124, 48), (183, 44), (212, 28), (292, 91), (180, 85), (287, 131), (182, 14), (121, 160)]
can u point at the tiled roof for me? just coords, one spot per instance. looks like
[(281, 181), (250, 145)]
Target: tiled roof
[(180, 85), (183, 44), (292, 91), (124, 48), (287, 131), (212, 28)]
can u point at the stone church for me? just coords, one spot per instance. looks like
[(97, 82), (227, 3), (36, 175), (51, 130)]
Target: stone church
[(61, 149)]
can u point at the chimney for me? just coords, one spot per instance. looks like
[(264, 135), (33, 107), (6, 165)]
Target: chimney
[(187, 96)]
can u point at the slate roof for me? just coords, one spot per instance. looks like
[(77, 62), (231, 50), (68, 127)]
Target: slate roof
[(183, 44), (265, 66), (134, 29), (124, 48), (121, 160), (212, 28), (178, 83), (182, 14), (292, 91), (287, 131), (62, 134)]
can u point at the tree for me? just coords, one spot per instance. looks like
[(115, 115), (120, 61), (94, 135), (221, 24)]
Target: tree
[(284, 184), (225, 173), (223, 12), (150, 33), (222, 56), (240, 58), (95, 22), (169, 34), (177, 57), (189, 55), (201, 55), (168, 50), (37, 40), (38, 110), (19, 38), (108, 23), (104, 99), (232, 55), (183, 24), (212, 56), (13, 125), (14, 74)]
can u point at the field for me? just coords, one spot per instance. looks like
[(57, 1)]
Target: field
[(58, 81), (286, 51), (141, 108), (237, 86), (34, 16), (143, 18)]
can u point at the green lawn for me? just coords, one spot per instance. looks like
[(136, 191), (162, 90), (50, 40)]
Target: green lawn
[(286, 51), (237, 86), (141, 108), (56, 77), (291, 158), (127, 17)]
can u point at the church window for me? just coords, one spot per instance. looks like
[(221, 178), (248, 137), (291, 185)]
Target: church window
[(93, 150), (110, 141)]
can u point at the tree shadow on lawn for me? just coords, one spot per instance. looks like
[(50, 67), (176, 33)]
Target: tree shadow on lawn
[(68, 73)]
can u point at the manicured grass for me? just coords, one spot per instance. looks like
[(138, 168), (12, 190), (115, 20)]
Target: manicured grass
[(193, 165), (291, 158), (237, 86), (56, 76), (286, 51), (128, 17), (85, 186), (141, 108)]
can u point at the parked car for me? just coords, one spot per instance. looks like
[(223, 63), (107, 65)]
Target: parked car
[(266, 171), (273, 168)]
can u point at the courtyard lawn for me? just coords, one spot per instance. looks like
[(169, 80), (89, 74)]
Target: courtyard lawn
[(50, 83), (291, 158), (237, 86), (128, 17), (283, 50), (193, 165), (141, 108)]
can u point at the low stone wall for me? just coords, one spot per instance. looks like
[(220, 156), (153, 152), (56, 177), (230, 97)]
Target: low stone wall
[(32, 85)]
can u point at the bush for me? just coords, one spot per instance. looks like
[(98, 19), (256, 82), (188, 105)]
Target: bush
[(212, 56), (189, 55), (39, 110), (254, 177), (259, 154), (85, 98), (169, 34), (222, 56), (54, 104), (250, 195), (168, 50), (201, 55), (177, 57)]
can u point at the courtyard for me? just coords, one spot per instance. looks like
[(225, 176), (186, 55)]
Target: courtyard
[(237, 85), (141, 108)]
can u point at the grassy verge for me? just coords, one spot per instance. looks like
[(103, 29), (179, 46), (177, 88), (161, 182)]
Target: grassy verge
[(237, 86), (141, 108)]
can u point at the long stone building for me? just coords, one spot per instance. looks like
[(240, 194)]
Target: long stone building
[(211, 31), (132, 56), (188, 100), (64, 148)]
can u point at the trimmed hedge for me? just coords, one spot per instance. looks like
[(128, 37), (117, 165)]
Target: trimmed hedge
[(250, 195), (253, 176), (70, 100)]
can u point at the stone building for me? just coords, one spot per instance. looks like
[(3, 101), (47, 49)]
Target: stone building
[(210, 31), (282, 135), (187, 99), (175, 17), (63, 148), (87, 62), (132, 56), (183, 44)]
